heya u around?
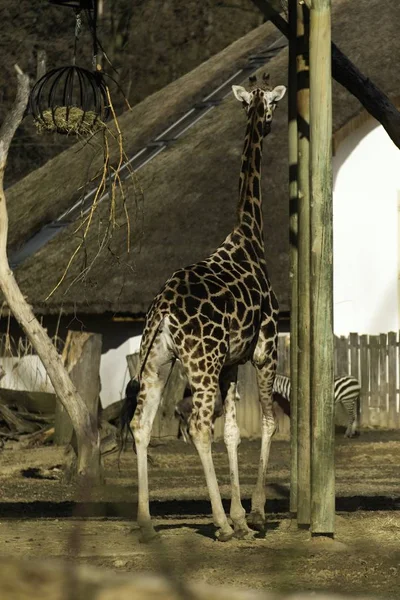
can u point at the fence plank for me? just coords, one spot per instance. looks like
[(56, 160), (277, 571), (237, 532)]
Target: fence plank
[(383, 384), (374, 401), (354, 355), (341, 356), (248, 408), (283, 354), (372, 360), (364, 362), (392, 380)]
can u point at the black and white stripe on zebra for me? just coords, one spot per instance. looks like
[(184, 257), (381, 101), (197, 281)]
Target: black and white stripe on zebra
[(346, 392)]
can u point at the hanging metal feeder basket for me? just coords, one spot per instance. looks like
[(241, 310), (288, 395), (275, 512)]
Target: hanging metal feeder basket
[(76, 4), (70, 100)]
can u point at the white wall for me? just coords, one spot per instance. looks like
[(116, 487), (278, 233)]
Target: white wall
[(114, 374), (366, 190), (25, 373), (28, 373)]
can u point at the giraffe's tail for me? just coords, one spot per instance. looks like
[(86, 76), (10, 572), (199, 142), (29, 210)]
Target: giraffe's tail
[(126, 415)]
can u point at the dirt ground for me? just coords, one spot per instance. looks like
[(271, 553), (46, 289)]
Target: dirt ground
[(41, 517)]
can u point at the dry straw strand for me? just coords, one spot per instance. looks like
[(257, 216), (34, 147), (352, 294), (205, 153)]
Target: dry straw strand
[(116, 185)]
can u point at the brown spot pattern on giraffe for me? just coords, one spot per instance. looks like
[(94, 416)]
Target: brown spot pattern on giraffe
[(216, 307)]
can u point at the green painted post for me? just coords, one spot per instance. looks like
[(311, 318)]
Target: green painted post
[(303, 395), (293, 233)]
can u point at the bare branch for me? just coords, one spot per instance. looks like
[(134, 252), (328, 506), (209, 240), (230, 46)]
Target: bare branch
[(14, 117)]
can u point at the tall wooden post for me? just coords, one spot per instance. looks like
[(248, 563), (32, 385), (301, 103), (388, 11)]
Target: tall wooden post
[(303, 394), (322, 380), (293, 232), (81, 356)]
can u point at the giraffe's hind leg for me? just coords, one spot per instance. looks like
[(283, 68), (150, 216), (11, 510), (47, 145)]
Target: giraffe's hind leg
[(153, 379), (265, 361), (200, 433), (232, 441)]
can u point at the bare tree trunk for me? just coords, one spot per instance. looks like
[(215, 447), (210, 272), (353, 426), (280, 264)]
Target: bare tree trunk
[(88, 464)]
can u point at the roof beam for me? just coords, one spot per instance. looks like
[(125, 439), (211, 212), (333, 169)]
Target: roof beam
[(350, 77)]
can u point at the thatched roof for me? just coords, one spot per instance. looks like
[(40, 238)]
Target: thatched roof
[(190, 189)]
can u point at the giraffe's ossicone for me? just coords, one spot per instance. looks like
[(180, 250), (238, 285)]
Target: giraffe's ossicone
[(213, 316)]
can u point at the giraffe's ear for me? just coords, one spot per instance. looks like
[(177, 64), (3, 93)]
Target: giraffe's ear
[(241, 94), (278, 93)]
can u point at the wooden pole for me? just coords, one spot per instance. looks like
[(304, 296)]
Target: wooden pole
[(81, 357), (293, 232), (133, 361), (172, 394), (303, 394), (322, 380)]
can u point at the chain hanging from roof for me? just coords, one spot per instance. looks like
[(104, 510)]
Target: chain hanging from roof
[(72, 99)]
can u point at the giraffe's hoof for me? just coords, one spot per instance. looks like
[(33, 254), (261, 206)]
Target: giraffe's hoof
[(224, 535), (148, 534), (256, 521), (244, 533)]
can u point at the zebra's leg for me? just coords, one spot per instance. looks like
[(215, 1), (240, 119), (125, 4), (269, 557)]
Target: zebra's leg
[(356, 422), (350, 407)]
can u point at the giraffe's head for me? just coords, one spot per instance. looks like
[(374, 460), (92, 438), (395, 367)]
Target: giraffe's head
[(260, 96)]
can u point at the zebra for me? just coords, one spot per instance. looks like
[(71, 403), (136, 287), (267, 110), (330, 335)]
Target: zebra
[(346, 392)]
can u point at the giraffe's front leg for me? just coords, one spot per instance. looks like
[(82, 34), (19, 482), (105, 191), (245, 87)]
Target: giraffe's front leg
[(200, 433)]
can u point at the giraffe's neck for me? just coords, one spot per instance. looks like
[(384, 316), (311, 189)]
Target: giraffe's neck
[(249, 208)]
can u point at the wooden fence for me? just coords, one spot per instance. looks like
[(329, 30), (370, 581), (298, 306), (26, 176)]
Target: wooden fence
[(375, 361)]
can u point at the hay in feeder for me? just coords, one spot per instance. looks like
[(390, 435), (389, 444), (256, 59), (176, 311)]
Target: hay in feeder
[(69, 120)]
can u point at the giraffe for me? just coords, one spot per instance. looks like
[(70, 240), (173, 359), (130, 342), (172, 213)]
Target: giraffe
[(213, 316)]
